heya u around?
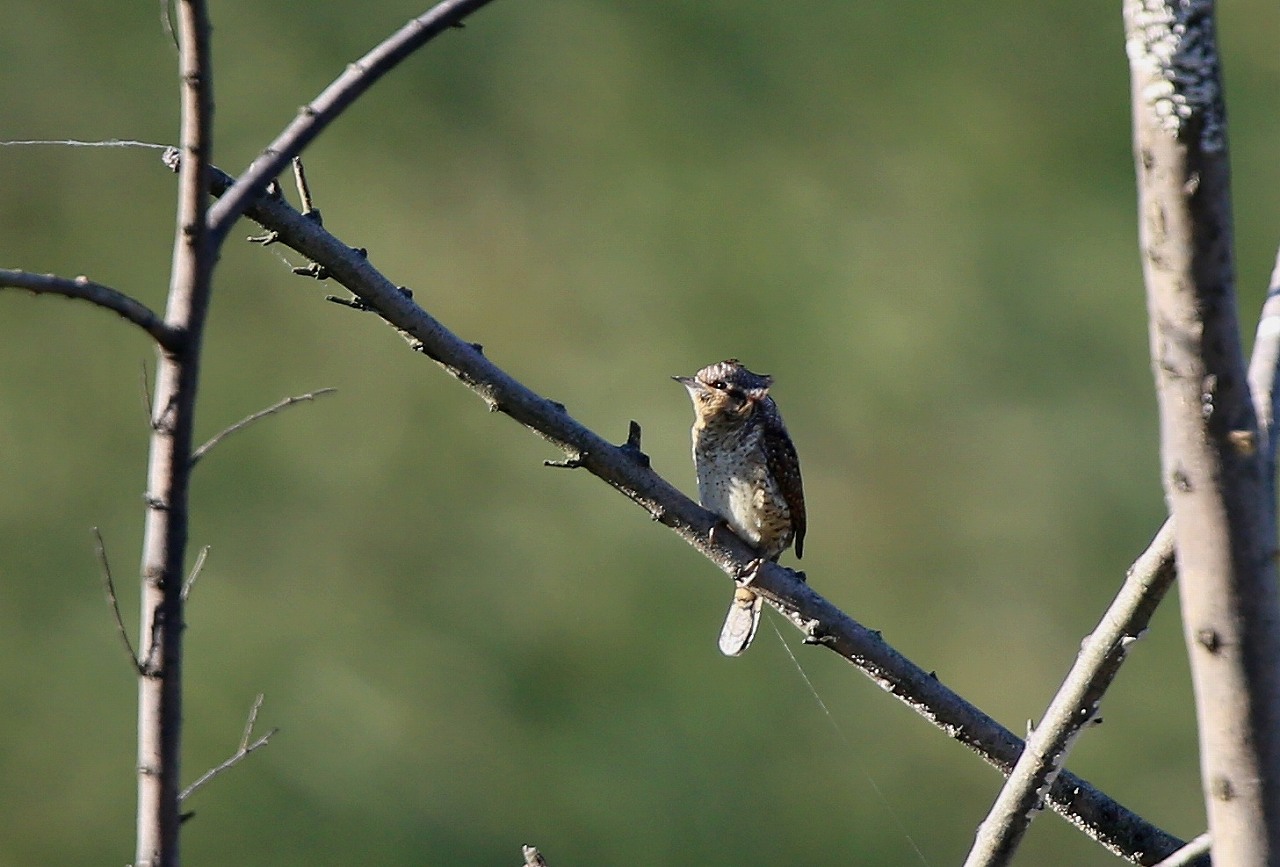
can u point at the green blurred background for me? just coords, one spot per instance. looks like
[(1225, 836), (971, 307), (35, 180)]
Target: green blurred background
[(918, 218)]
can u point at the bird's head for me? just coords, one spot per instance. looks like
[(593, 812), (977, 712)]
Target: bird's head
[(725, 391)]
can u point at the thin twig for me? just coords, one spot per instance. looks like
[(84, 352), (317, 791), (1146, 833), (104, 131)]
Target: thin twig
[(1111, 824), (110, 585), (242, 751), (85, 289), (195, 573), (304, 190), (144, 383), (1264, 385), (1192, 853), (324, 109), (280, 406)]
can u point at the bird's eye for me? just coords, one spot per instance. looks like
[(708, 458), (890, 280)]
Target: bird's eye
[(718, 385)]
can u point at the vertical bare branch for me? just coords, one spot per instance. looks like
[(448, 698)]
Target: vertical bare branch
[(1213, 461), (169, 464), (1103, 650)]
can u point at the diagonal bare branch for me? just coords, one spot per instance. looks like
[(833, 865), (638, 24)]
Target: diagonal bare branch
[(1076, 703), (1103, 651), (248, 744), (627, 471), (129, 309), (325, 108), (277, 407), (109, 585)]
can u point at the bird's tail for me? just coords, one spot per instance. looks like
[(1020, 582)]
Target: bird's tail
[(741, 622)]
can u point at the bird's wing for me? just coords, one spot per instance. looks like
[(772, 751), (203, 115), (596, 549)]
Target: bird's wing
[(784, 465)]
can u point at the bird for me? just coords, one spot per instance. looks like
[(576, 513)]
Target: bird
[(748, 474)]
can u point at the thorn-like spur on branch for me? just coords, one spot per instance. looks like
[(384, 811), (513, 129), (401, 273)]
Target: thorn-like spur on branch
[(1110, 823), (281, 406), (95, 293), (326, 107), (247, 745), (533, 858), (632, 445), (109, 585), (353, 303)]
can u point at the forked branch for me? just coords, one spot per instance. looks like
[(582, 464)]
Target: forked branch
[(248, 743), (1214, 457)]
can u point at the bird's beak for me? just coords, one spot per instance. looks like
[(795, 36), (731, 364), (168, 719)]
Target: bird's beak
[(687, 381)]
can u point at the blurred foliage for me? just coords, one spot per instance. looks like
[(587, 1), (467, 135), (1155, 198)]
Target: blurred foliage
[(918, 218)]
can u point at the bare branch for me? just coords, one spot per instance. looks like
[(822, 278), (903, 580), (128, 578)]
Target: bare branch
[(1194, 852), (280, 406), (1213, 458), (195, 573), (627, 471), (1264, 385), (144, 385), (335, 98), (165, 531), (1103, 651), (247, 745), (1076, 703), (304, 190), (110, 585), (85, 289)]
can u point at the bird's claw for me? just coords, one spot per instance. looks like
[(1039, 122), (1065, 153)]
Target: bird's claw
[(816, 634), (744, 575)]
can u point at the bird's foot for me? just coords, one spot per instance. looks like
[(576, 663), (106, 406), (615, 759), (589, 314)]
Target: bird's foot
[(816, 634), (746, 574)]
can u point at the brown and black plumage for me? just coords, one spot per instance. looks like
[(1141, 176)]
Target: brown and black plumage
[(748, 474)]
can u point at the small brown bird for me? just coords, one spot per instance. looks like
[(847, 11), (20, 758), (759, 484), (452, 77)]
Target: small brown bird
[(748, 474)]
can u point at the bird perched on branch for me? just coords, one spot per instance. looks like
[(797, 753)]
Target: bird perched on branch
[(748, 474)]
